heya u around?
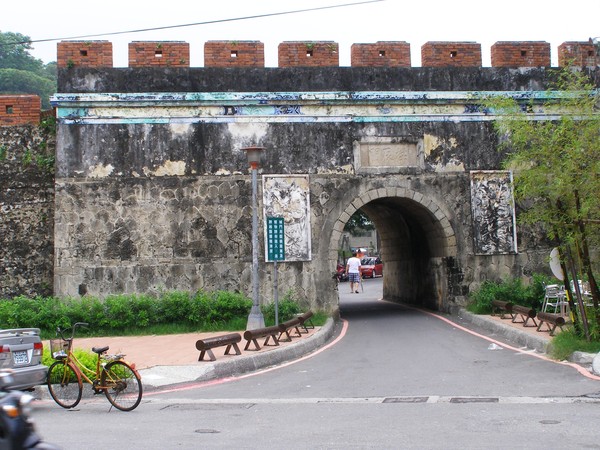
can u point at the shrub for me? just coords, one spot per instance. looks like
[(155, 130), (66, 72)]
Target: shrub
[(225, 306), (172, 306), (88, 359), (286, 311), (133, 314), (509, 290)]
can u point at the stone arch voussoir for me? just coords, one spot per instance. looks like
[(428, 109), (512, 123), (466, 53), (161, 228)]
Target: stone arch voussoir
[(448, 236)]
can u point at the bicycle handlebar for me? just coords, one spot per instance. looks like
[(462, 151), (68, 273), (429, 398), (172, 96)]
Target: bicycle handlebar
[(73, 327)]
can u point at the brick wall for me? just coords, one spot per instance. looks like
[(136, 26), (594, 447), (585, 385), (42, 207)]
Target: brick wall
[(84, 54), (380, 54), (521, 54), (20, 110), (580, 53), (451, 54), (326, 54), (308, 54), (234, 54), (157, 53)]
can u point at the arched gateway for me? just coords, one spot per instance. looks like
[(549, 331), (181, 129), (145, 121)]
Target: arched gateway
[(153, 190), (417, 241)]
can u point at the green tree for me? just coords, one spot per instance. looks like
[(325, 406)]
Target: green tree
[(14, 53), (21, 73), (556, 164), (358, 221), (13, 81)]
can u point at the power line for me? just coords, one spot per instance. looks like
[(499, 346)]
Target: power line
[(257, 16)]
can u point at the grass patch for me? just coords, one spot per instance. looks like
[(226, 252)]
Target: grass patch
[(567, 342)]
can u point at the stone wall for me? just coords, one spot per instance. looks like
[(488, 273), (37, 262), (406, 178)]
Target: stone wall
[(153, 190), (26, 211)]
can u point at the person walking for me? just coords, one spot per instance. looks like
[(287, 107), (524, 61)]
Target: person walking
[(353, 271)]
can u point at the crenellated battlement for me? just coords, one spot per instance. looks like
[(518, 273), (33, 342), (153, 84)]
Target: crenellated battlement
[(159, 54), (19, 110), (326, 54)]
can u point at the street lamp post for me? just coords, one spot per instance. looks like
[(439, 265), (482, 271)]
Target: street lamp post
[(255, 319)]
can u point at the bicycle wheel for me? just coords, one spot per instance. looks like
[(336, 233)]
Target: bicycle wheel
[(64, 384), (123, 386)]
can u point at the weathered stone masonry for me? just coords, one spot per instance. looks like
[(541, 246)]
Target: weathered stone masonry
[(26, 212), (152, 187)]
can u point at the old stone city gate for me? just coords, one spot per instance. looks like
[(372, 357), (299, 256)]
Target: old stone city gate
[(153, 189)]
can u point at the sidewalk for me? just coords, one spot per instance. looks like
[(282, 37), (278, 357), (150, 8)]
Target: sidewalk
[(172, 359)]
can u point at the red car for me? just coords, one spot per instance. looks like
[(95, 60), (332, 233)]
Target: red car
[(371, 267)]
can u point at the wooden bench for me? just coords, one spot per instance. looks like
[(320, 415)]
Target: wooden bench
[(206, 345), (525, 314), (251, 336), (305, 321), (292, 325), (551, 320), (503, 307)]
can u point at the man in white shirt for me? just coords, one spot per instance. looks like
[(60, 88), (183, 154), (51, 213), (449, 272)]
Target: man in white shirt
[(353, 271)]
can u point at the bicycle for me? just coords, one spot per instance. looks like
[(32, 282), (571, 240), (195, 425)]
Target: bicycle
[(120, 381)]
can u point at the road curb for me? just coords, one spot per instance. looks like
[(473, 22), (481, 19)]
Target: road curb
[(238, 366), (161, 376), (540, 343)]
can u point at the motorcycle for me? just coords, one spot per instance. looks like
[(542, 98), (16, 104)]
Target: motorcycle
[(17, 430), (340, 273)]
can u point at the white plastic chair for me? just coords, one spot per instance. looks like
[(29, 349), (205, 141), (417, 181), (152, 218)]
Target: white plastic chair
[(555, 299)]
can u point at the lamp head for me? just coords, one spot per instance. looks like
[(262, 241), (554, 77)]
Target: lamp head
[(253, 155)]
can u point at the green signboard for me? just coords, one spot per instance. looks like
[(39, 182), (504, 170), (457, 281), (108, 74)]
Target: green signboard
[(275, 239)]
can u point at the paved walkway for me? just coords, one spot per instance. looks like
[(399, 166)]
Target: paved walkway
[(172, 359), (173, 349)]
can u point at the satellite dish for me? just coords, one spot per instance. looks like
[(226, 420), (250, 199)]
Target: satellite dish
[(555, 264)]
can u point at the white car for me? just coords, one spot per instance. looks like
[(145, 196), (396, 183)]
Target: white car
[(21, 352)]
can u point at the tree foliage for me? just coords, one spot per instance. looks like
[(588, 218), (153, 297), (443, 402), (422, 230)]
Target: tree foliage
[(21, 73), (556, 163), (357, 222)]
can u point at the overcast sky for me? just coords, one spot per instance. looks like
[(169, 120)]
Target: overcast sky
[(412, 21)]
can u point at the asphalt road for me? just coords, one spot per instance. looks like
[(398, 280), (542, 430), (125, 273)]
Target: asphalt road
[(393, 377)]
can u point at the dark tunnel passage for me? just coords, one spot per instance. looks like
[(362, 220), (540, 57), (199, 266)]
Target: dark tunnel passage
[(413, 246)]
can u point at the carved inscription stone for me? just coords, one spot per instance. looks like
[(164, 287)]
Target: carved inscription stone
[(387, 154), (399, 154)]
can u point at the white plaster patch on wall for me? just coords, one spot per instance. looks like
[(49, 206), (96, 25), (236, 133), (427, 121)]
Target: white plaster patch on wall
[(100, 171), (371, 130), (451, 166), (181, 129), (247, 134), (169, 168), (430, 142)]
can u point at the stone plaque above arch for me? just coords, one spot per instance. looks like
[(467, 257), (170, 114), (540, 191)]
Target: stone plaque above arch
[(388, 154)]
